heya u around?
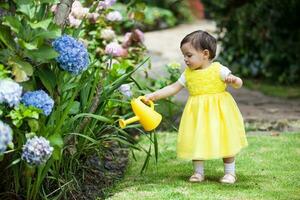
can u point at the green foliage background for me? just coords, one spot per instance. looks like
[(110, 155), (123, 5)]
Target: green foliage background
[(260, 38)]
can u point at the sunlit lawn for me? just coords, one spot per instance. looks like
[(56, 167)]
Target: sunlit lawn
[(269, 168)]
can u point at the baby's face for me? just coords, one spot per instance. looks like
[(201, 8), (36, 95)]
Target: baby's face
[(194, 59)]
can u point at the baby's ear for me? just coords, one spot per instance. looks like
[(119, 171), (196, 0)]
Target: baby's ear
[(206, 53)]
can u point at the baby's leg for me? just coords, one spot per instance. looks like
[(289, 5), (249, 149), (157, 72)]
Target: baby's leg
[(198, 166), (229, 165), (198, 175), (229, 170)]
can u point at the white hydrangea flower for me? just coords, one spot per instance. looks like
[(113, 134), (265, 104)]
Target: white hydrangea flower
[(10, 92), (108, 34), (37, 151), (5, 136), (114, 16)]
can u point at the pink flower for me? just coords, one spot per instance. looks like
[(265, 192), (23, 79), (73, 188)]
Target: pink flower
[(74, 22), (114, 16), (115, 49), (135, 36), (138, 36), (93, 17), (127, 40)]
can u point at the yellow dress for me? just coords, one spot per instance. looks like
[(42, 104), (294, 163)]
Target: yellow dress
[(211, 125)]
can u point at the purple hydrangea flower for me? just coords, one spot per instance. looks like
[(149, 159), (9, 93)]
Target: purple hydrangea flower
[(38, 99), (73, 54), (125, 90), (105, 4), (10, 92), (114, 16), (5, 136), (36, 151)]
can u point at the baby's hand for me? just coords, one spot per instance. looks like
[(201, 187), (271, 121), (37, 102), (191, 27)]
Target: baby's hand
[(149, 97), (231, 79)]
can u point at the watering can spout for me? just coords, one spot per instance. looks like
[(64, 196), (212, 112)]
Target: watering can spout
[(146, 115)]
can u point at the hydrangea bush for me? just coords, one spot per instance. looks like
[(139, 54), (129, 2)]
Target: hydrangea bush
[(62, 94)]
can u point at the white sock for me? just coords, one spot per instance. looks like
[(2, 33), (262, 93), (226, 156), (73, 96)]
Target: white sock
[(229, 168), (198, 167)]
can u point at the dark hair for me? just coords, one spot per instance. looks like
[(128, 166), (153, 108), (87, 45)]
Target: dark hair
[(201, 40)]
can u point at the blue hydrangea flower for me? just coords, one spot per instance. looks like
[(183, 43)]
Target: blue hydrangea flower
[(36, 151), (10, 92), (5, 136), (38, 99), (73, 54)]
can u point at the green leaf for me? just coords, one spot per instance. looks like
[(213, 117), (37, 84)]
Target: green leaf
[(22, 65), (42, 24), (20, 75), (98, 117), (75, 108), (56, 140), (7, 38), (26, 8), (3, 72), (48, 78), (56, 154), (86, 137), (44, 53), (20, 69), (49, 1), (28, 45), (13, 22), (33, 124), (47, 34)]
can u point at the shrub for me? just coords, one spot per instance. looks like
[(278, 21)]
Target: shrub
[(259, 38)]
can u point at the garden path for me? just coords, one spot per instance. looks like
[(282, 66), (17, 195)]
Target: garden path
[(262, 112)]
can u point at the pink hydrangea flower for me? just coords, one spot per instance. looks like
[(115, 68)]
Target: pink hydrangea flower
[(93, 17), (115, 49), (114, 16), (138, 36), (74, 22), (135, 36)]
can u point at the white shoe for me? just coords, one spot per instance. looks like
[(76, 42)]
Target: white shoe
[(196, 178), (228, 178)]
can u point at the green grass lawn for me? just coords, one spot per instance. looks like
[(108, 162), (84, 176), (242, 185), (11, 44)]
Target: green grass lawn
[(274, 89), (269, 168)]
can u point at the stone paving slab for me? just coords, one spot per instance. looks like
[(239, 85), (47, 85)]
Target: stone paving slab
[(164, 47)]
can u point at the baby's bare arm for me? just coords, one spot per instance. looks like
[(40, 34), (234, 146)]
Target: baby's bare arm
[(234, 81), (165, 92)]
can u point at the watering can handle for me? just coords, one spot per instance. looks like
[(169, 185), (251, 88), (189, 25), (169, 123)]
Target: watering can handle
[(150, 102)]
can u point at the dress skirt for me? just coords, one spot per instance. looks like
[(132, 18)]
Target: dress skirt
[(211, 127)]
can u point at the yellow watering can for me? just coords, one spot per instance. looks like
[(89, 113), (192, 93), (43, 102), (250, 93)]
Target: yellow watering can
[(146, 115)]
